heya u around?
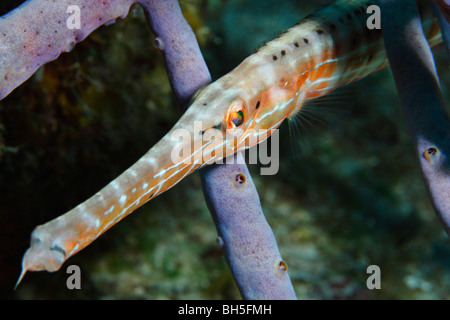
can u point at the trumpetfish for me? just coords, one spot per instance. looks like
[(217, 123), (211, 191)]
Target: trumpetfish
[(328, 49)]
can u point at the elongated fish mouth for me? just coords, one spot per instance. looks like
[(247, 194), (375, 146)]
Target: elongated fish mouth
[(181, 152)]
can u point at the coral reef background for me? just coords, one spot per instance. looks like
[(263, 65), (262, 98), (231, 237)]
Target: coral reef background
[(349, 192)]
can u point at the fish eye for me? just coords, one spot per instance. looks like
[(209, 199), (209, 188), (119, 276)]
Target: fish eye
[(236, 116)]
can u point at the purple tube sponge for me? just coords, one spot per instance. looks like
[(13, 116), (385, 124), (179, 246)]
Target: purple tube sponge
[(37, 32), (244, 234), (186, 68), (248, 242), (424, 108)]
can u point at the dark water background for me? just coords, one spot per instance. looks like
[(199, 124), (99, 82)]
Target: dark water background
[(348, 195)]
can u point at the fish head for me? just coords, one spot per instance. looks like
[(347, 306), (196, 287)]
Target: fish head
[(222, 121)]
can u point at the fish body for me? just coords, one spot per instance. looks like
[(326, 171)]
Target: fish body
[(328, 49)]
